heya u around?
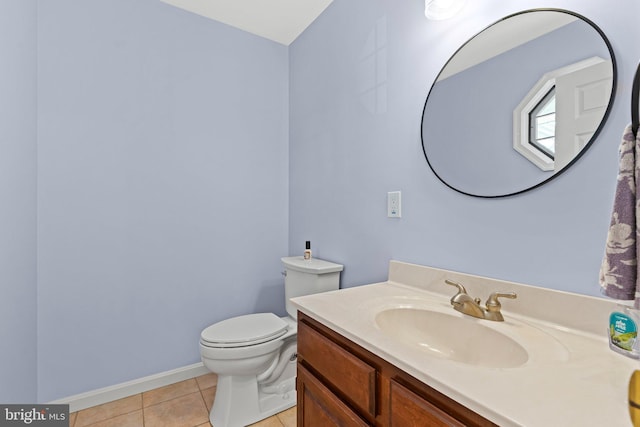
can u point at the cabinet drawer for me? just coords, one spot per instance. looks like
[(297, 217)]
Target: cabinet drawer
[(407, 409), (349, 377)]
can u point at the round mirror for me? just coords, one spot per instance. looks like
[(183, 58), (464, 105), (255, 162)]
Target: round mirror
[(518, 103)]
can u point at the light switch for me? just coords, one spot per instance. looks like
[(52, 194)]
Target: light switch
[(394, 204)]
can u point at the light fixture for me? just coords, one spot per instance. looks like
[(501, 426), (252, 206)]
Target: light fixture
[(442, 9)]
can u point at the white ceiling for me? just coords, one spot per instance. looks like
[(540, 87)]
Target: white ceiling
[(279, 20)]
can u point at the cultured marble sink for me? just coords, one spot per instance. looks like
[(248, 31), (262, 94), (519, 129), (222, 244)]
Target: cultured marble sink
[(452, 337), (463, 339)]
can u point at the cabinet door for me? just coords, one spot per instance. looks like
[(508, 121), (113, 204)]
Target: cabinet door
[(407, 409), (347, 375), (318, 407)]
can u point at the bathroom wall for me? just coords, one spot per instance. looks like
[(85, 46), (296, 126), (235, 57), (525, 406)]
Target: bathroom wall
[(162, 187), (359, 78), (18, 200)]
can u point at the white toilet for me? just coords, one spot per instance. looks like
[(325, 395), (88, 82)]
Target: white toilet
[(255, 355)]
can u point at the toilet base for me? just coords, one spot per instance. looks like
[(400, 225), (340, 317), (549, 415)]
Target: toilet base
[(240, 402)]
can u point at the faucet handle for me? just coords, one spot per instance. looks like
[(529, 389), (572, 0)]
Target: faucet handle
[(492, 302), (461, 289)]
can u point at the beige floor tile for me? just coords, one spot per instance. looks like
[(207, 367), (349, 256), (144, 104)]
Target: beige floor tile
[(185, 411), (108, 410), (207, 381), (288, 418), (268, 422), (162, 394), (132, 419), (184, 404), (209, 396)]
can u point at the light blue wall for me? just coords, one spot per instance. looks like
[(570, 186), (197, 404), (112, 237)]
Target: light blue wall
[(162, 187), (18, 201), (359, 78)]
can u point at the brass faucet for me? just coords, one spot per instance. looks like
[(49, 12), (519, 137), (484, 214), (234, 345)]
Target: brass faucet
[(467, 305)]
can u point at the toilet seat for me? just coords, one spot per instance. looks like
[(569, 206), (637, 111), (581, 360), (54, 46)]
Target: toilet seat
[(242, 331)]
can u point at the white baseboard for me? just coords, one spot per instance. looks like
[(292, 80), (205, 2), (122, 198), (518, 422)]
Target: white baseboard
[(129, 388)]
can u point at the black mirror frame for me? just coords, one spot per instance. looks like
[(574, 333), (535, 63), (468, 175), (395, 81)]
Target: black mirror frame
[(586, 147)]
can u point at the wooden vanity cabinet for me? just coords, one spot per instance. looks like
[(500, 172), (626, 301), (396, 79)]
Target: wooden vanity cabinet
[(341, 384)]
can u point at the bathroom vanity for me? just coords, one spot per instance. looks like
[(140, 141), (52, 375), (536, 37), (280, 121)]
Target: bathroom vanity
[(396, 353), (339, 380)]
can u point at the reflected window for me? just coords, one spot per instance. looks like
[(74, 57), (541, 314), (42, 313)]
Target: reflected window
[(561, 112), (542, 124)]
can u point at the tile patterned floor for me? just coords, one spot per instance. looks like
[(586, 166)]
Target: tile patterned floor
[(183, 404)]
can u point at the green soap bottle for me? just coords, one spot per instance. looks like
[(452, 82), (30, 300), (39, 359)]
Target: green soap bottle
[(623, 332)]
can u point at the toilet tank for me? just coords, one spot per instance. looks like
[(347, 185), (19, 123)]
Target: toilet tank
[(308, 276)]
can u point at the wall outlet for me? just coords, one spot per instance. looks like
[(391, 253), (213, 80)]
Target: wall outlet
[(394, 204)]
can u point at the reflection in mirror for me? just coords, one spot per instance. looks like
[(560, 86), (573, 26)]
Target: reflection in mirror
[(518, 103), (562, 111)]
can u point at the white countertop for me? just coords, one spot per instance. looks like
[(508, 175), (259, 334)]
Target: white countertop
[(584, 384)]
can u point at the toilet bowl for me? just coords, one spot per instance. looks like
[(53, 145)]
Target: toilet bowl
[(254, 355), (249, 365)]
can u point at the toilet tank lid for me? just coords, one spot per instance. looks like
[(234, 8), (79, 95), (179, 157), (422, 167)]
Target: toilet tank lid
[(313, 265)]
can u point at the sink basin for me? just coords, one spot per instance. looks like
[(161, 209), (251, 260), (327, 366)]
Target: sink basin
[(450, 336)]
